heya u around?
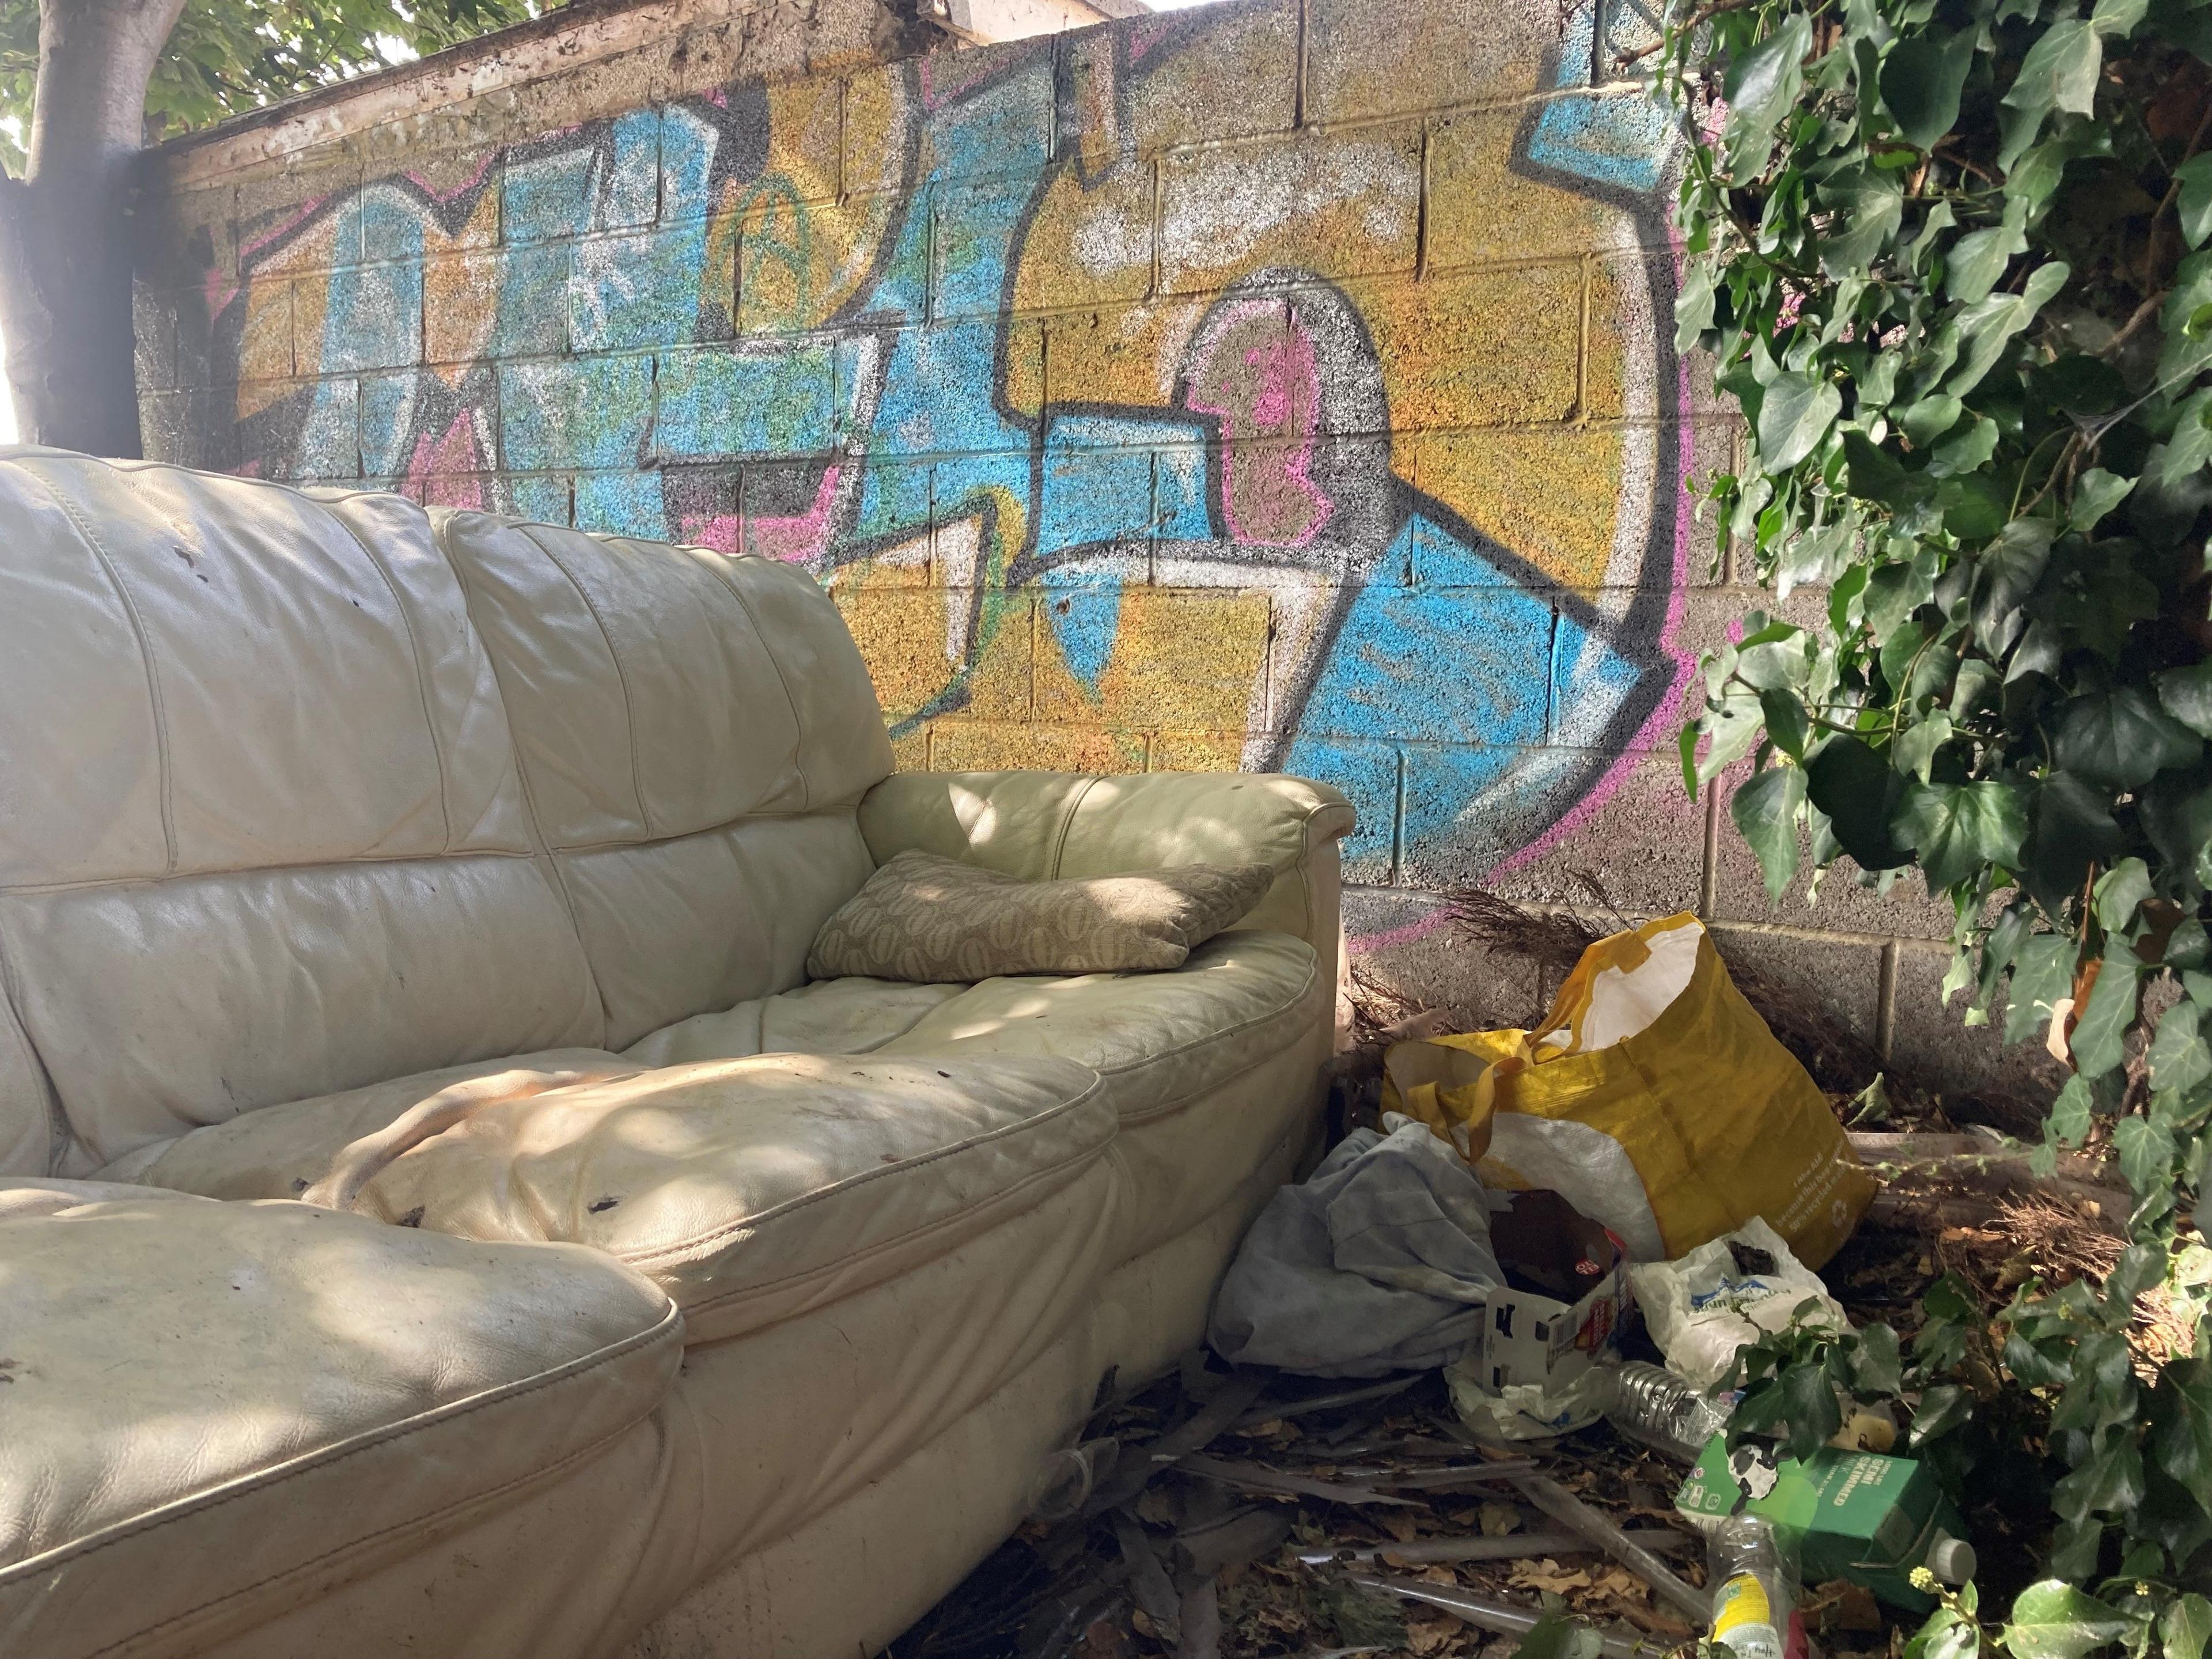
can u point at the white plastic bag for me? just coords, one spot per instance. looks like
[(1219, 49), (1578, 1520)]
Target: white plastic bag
[(1704, 1307)]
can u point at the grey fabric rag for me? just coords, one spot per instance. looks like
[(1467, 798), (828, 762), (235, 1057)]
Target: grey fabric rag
[(1380, 1261)]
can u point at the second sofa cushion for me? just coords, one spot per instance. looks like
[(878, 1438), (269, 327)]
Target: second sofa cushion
[(937, 921)]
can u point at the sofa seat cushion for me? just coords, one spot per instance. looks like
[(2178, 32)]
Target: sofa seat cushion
[(829, 1017), (751, 1189), (212, 1412), (1159, 1039), (279, 1151), (1207, 1066)]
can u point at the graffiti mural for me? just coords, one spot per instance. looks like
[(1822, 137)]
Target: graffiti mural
[(1270, 455)]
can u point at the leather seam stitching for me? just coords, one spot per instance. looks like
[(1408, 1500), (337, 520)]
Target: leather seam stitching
[(622, 674), (330, 1457), (1089, 1155), (35, 890), (422, 675), (798, 723), (1068, 824), (370, 1540), (541, 848), (854, 1183), (145, 656)]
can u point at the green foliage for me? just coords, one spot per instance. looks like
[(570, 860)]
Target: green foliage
[(1953, 259), (226, 57)]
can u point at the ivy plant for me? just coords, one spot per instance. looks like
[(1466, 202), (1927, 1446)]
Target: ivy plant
[(1953, 259)]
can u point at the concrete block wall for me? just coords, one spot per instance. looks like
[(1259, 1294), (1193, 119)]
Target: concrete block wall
[(1283, 384)]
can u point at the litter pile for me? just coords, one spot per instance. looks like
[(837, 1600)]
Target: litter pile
[(1548, 1246)]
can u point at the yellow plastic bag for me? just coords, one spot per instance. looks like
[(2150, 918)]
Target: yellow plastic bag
[(1653, 1097)]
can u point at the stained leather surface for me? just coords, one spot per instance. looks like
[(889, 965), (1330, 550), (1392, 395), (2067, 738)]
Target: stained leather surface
[(283, 1397), (747, 1189), (695, 732), (292, 854), (284, 1151)]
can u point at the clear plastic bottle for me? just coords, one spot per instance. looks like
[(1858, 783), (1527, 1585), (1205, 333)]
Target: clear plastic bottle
[(1650, 1404), (1753, 1603)]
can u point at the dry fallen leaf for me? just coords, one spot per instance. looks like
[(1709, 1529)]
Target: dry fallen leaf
[(1498, 1519), (1548, 1575), (1424, 1638), (1158, 1506), (1142, 1622), (1400, 1524)]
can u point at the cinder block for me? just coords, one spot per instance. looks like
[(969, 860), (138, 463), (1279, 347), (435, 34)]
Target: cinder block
[(881, 106), (1630, 825), (1090, 240), (1625, 352), (1161, 656), (1484, 207), (1931, 1042), (1402, 941), (1131, 355), (622, 504), (1210, 74), (184, 237), (591, 413), (1567, 499), (359, 317), (798, 264), (757, 397), (991, 110), (647, 287), (543, 498), (1367, 772), (1339, 205), (960, 652), (1839, 978), (1437, 55), (507, 302), (154, 337), (1197, 751), (187, 427), (328, 442), (1484, 348), (304, 197), (960, 746)]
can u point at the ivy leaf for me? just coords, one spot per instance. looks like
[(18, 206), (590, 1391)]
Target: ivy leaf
[(1876, 1366), (1855, 786), (2179, 1058), (2042, 976), (2118, 17), (1810, 1401), (2110, 1481), (1762, 86), (2196, 203), (2183, 1442), (2070, 1113), (1787, 723), (1977, 259), (2006, 572), (1931, 418), (1955, 828), (2119, 893), (2059, 73), (1921, 81), (2100, 1029), (2146, 1153), (2097, 492), (1942, 1408), (1988, 325), (2186, 694), (1765, 811), (1915, 751), (2054, 1620), (2121, 738), (1693, 305), (1794, 418), (2185, 1627)]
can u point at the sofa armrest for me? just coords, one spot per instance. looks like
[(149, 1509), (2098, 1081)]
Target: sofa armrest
[(1044, 826)]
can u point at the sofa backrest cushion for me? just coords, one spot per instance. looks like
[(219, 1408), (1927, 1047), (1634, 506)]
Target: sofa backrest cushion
[(695, 733), (262, 833)]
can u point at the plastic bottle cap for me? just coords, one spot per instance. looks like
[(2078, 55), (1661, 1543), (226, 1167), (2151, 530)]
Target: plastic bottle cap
[(1951, 1560)]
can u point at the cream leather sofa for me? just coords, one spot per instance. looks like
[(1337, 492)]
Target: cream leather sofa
[(728, 1313)]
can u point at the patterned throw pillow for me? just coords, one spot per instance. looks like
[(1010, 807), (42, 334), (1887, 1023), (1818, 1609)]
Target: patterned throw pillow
[(939, 922)]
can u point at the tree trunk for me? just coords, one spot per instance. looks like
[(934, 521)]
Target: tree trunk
[(65, 239)]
